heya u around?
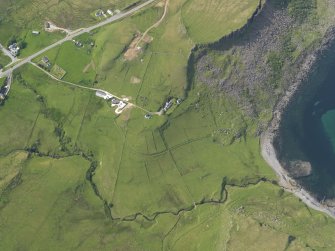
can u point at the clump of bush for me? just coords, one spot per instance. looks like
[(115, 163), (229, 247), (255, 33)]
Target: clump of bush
[(301, 9)]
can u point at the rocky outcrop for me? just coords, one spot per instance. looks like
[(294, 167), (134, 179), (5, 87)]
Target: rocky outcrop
[(298, 168), (257, 84), (250, 47)]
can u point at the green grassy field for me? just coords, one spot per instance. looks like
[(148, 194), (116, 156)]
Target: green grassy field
[(76, 176), (208, 21), (18, 19), (37, 42), (4, 60), (57, 71)]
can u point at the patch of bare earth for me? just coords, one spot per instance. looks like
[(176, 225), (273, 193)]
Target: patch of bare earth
[(125, 115), (141, 39), (51, 27), (135, 47), (135, 80)]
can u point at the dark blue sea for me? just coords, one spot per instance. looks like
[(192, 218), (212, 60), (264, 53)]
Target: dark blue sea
[(308, 128)]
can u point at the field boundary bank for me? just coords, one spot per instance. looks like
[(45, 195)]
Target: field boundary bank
[(223, 197), (152, 217)]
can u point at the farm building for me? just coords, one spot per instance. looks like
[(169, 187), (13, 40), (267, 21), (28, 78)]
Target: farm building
[(115, 101), (121, 105), (103, 94), (148, 116), (168, 105), (99, 13), (45, 59), (78, 44), (14, 49), (179, 101)]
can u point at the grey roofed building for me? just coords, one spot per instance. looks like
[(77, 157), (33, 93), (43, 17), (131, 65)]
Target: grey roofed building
[(103, 94), (115, 101), (168, 105), (148, 116), (99, 13), (45, 59), (179, 101), (78, 44), (14, 49)]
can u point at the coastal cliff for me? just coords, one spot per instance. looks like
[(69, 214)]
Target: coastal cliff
[(262, 68)]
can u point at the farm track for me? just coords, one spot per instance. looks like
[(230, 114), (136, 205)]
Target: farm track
[(82, 120), (86, 88), (155, 25), (143, 79), (90, 173), (172, 148), (119, 164)]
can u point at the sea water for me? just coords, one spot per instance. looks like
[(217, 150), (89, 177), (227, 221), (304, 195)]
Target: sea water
[(308, 128), (328, 122)]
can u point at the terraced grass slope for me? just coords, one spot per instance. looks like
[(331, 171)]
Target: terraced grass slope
[(89, 179)]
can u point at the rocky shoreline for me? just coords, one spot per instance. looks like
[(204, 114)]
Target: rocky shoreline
[(268, 137), (254, 83)]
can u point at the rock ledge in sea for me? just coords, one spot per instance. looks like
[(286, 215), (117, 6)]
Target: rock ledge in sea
[(299, 168)]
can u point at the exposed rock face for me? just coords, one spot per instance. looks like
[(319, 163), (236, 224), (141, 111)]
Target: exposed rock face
[(240, 66), (249, 75), (329, 202)]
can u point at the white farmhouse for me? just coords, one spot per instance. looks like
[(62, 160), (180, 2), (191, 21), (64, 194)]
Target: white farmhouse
[(14, 49)]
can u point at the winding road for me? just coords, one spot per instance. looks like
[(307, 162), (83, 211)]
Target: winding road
[(73, 34)]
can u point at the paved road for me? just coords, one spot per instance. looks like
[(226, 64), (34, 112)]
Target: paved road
[(73, 34)]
